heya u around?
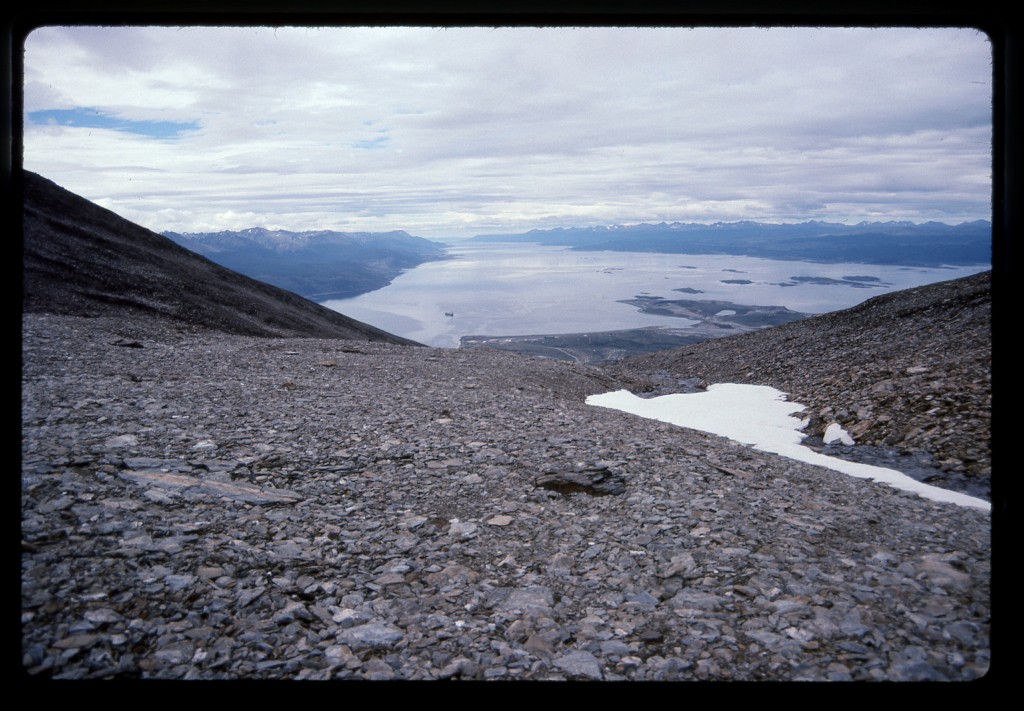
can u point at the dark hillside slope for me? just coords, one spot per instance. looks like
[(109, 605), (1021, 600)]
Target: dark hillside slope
[(83, 260), (910, 369)]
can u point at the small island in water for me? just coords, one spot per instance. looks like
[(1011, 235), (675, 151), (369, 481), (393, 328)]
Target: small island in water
[(714, 319)]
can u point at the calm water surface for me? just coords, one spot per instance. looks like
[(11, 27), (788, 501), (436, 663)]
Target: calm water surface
[(515, 289)]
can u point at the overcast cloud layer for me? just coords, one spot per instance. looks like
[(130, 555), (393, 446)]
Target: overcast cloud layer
[(461, 131)]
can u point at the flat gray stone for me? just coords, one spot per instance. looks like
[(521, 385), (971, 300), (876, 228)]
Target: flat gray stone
[(245, 493), (579, 664), (372, 635), (533, 599)]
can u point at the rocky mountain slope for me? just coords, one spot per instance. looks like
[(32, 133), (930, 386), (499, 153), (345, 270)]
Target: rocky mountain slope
[(80, 259), (909, 370), (198, 504)]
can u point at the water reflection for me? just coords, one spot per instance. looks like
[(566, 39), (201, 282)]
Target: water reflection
[(515, 289)]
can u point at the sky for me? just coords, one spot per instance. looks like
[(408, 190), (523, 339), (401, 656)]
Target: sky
[(761, 416), (450, 132)]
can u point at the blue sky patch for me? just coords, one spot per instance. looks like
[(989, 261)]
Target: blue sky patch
[(83, 117), (371, 144)]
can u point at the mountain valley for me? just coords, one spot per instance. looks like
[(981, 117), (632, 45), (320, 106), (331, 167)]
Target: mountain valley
[(222, 480)]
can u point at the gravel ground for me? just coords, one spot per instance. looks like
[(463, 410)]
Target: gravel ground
[(206, 506)]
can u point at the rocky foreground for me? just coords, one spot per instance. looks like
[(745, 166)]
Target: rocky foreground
[(197, 505)]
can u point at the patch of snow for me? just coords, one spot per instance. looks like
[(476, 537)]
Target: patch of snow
[(759, 415), (835, 433)]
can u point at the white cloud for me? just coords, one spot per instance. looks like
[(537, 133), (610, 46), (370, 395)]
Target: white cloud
[(430, 129)]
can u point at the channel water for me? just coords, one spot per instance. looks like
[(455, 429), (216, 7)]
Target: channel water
[(504, 289)]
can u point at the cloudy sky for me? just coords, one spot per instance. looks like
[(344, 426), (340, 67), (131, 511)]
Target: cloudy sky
[(451, 132)]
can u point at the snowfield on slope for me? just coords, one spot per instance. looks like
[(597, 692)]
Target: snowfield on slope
[(761, 416)]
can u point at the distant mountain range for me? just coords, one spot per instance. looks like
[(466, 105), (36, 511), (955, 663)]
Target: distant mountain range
[(318, 265), (928, 244)]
